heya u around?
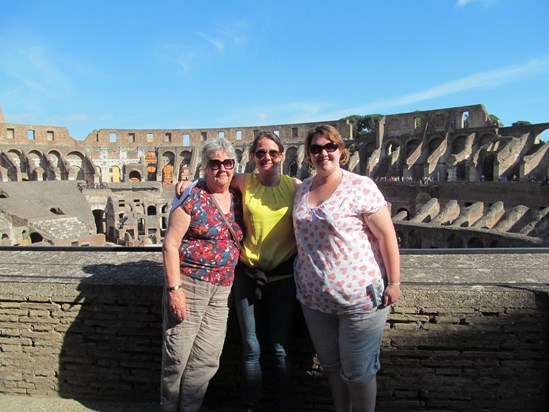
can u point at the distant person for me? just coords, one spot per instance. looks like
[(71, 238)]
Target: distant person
[(200, 254), (347, 271)]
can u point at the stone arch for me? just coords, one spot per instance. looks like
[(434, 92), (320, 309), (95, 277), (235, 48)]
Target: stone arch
[(151, 162), (167, 175), (458, 144), (167, 164), (411, 146), (485, 139), (475, 242), (38, 172), (135, 176), (454, 241), (414, 240), (151, 210), (433, 145), (8, 170), (75, 161), (5, 240), (461, 170), (76, 173), (291, 166), (100, 220), (488, 167), (19, 163), (36, 237), (391, 147), (56, 171)]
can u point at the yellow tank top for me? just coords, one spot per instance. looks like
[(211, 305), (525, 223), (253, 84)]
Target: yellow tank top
[(269, 238)]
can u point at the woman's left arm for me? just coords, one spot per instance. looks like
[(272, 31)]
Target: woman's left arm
[(381, 225)]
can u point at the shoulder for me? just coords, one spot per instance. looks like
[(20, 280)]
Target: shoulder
[(356, 180), (239, 181)]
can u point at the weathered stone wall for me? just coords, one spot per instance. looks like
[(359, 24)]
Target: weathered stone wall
[(471, 332)]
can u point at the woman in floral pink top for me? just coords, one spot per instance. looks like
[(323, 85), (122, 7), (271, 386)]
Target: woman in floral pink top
[(347, 271)]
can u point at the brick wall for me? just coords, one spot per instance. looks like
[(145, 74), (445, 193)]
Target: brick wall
[(448, 345)]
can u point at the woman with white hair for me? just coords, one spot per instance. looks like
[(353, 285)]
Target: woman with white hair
[(201, 250)]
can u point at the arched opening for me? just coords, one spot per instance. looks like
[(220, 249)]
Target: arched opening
[(455, 242), (36, 237), (135, 176), (414, 240), (151, 210), (475, 243), (99, 218), (488, 168)]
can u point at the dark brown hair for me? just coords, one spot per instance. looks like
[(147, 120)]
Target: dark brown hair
[(266, 135), (330, 133)]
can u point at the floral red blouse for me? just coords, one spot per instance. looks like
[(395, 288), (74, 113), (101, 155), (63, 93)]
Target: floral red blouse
[(208, 251)]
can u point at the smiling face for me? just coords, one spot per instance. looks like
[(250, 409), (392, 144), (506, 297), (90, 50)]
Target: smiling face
[(325, 161), (267, 157), (219, 177)]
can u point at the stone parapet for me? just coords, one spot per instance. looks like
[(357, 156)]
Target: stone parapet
[(470, 332)]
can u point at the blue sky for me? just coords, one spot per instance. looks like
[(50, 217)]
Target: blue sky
[(166, 64)]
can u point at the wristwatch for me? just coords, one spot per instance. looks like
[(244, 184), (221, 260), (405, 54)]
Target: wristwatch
[(174, 288)]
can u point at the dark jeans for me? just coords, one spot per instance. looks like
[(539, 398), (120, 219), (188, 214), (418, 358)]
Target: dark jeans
[(268, 322)]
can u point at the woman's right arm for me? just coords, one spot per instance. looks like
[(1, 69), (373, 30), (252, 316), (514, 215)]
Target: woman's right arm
[(239, 179), (178, 224)]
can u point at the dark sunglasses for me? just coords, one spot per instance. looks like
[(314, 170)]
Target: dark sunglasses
[(215, 164), (329, 147), (273, 154)]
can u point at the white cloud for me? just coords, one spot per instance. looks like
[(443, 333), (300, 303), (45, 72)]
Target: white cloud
[(35, 71), (218, 44), (481, 80), (463, 3)]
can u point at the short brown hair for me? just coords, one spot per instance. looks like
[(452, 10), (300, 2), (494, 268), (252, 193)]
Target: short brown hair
[(266, 135), (330, 133)]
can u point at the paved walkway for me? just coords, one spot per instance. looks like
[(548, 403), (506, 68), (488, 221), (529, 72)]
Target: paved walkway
[(24, 403)]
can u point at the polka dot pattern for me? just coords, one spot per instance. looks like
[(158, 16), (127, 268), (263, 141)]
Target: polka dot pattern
[(339, 262)]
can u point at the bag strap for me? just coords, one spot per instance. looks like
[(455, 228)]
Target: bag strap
[(233, 234)]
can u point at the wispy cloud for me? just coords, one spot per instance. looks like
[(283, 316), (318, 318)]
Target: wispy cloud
[(35, 71), (272, 113), (195, 51), (481, 80), (463, 3), (218, 44)]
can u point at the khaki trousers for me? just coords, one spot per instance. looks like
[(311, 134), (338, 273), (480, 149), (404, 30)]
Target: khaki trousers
[(191, 349)]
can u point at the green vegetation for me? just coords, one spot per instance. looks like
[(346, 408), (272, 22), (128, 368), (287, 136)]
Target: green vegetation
[(363, 125), (495, 120), (521, 123)]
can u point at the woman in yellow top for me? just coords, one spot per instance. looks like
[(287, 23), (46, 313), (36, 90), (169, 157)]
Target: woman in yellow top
[(264, 288)]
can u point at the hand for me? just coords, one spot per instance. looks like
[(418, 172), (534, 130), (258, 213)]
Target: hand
[(178, 304), (391, 295), (180, 187)]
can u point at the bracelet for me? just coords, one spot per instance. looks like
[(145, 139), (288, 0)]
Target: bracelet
[(393, 284), (174, 288)]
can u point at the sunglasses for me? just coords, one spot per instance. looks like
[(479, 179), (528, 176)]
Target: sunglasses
[(273, 154), (215, 164), (329, 147)]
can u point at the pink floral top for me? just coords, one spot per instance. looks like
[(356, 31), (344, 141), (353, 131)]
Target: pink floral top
[(339, 268)]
